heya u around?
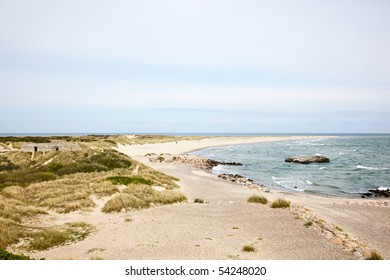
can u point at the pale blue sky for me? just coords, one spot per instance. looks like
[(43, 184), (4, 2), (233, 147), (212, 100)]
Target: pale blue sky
[(194, 66)]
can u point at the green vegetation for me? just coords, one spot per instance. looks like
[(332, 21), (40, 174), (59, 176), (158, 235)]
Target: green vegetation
[(68, 181), (110, 141), (4, 255), (375, 256), (123, 180), (257, 199), (280, 203), (248, 249), (66, 163)]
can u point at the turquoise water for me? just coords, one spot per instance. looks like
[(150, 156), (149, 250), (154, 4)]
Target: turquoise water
[(357, 164)]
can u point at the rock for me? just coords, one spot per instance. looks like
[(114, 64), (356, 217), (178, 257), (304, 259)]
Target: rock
[(381, 191), (337, 240), (329, 235), (307, 159)]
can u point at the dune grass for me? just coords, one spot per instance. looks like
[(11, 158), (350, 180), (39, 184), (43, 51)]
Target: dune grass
[(5, 255), (58, 236), (375, 256), (67, 181), (141, 196), (257, 199), (248, 249), (280, 203), (125, 180)]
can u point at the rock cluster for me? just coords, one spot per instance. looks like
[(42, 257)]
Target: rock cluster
[(199, 162), (241, 180), (333, 233), (307, 159), (379, 192)]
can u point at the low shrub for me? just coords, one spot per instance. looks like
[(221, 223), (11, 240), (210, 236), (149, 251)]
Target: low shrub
[(257, 199), (248, 249), (198, 200), (280, 203)]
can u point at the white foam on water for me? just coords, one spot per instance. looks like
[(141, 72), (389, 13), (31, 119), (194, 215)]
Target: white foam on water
[(309, 182), (359, 166)]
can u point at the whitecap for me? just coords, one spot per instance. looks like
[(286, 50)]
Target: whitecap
[(359, 166), (309, 182), (218, 168), (323, 168)]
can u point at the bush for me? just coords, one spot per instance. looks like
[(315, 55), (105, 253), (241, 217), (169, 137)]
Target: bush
[(257, 199), (280, 203), (124, 180), (199, 200)]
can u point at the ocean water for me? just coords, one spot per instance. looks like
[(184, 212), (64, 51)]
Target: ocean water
[(357, 164)]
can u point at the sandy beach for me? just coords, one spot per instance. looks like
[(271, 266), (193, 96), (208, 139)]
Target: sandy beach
[(342, 228)]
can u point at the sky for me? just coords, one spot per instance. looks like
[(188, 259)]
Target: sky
[(183, 66)]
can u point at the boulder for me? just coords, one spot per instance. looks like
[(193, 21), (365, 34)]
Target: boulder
[(307, 159)]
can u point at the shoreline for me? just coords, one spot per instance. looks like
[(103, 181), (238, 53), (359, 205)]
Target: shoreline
[(314, 227), (354, 214)]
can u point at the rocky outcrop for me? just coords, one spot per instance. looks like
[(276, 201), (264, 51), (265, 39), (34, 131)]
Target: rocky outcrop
[(307, 159)]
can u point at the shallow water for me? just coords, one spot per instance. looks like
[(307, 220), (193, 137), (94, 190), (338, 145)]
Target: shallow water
[(357, 164)]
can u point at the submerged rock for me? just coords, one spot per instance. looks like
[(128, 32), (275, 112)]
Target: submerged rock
[(307, 159)]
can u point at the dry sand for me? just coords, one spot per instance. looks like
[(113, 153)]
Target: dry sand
[(220, 228)]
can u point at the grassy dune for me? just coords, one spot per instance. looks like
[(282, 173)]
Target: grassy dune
[(66, 181)]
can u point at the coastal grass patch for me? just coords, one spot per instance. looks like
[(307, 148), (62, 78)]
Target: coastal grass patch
[(5, 255), (248, 249), (157, 177), (257, 199), (137, 196), (280, 203), (58, 236), (375, 256), (10, 232), (124, 201), (126, 180)]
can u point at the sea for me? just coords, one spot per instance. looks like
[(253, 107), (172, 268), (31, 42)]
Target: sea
[(358, 163)]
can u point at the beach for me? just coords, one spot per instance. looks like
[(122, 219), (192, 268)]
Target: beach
[(314, 227)]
